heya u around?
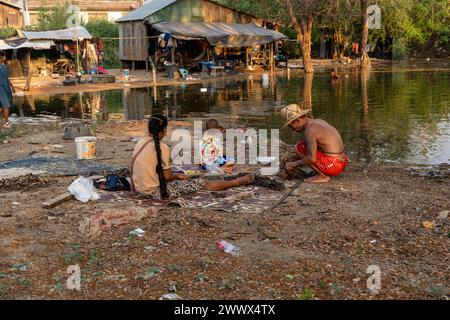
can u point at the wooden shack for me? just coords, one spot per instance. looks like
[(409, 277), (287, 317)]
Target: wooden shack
[(10, 15), (190, 20)]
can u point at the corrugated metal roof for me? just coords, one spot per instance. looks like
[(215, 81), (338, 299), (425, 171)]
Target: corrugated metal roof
[(15, 5), (36, 45), (231, 35), (64, 34), (146, 10)]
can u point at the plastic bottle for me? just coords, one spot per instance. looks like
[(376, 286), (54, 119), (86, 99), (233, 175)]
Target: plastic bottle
[(228, 248)]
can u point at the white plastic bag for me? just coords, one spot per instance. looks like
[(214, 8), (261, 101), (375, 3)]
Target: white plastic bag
[(83, 190)]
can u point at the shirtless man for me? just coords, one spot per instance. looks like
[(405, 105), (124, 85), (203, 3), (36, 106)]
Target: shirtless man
[(323, 149)]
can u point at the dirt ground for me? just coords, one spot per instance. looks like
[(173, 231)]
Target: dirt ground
[(317, 245)]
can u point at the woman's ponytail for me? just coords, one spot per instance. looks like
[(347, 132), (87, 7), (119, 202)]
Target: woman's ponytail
[(156, 125)]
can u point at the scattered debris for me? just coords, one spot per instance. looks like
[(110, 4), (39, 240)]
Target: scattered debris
[(151, 272), (83, 190), (19, 267), (51, 213), (290, 277), (228, 248), (433, 172), (443, 215), (428, 224), (74, 132), (24, 182), (170, 296), (93, 227), (239, 197), (137, 232)]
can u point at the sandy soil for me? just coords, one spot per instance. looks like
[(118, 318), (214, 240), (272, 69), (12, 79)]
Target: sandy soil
[(317, 245)]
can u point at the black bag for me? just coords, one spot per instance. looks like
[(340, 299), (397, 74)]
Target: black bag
[(116, 183)]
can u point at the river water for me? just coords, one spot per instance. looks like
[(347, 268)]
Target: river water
[(401, 116)]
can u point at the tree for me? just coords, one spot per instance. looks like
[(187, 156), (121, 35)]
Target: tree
[(365, 32), (302, 14), (53, 18), (267, 9)]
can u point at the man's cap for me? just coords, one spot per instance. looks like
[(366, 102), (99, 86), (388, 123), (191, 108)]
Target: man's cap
[(292, 112)]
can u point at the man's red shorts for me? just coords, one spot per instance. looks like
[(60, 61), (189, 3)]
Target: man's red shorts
[(329, 166)]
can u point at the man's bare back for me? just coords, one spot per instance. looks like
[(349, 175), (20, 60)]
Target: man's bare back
[(322, 150), (328, 139)]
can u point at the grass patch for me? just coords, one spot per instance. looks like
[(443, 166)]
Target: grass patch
[(6, 134)]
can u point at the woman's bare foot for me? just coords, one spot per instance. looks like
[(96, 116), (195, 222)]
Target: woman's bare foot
[(320, 178), (245, 180)]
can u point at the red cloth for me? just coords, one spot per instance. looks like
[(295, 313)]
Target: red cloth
[(329, 166)]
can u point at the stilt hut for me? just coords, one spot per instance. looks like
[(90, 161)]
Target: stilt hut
[(200, 30)]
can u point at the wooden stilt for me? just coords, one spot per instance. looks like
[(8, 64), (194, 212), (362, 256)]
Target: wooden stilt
[(30, 72), (246, 58), (155, 88), (271, 61)]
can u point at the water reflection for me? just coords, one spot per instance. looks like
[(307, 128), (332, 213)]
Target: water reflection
[(400, 116)]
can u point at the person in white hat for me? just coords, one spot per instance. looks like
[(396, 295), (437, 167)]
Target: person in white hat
[(323, 148)]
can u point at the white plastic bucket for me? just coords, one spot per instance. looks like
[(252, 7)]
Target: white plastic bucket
[(86, 147)]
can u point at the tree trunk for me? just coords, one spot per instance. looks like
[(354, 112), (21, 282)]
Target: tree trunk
[(365, 33), (365, 150), (306, 45), (307, 91), (303, 30)]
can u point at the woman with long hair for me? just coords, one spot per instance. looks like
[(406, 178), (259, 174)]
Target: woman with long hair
[(151, 169), (6, 91)]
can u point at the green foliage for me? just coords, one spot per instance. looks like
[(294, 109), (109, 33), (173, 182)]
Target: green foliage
[(6, 134), (267, 9), (306, 295), (53, 18), (101, 28), (412, 25), (7, 32)]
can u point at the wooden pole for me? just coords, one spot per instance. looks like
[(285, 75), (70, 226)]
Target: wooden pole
[(246, 58), (155, 88), (78, 55), (271, 58), (30, 73)]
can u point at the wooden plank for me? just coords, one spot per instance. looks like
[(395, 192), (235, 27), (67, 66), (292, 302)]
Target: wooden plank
[(49, 204), (54, 202)]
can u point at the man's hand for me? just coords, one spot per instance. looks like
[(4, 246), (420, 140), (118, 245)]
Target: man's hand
[(290, 166)]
